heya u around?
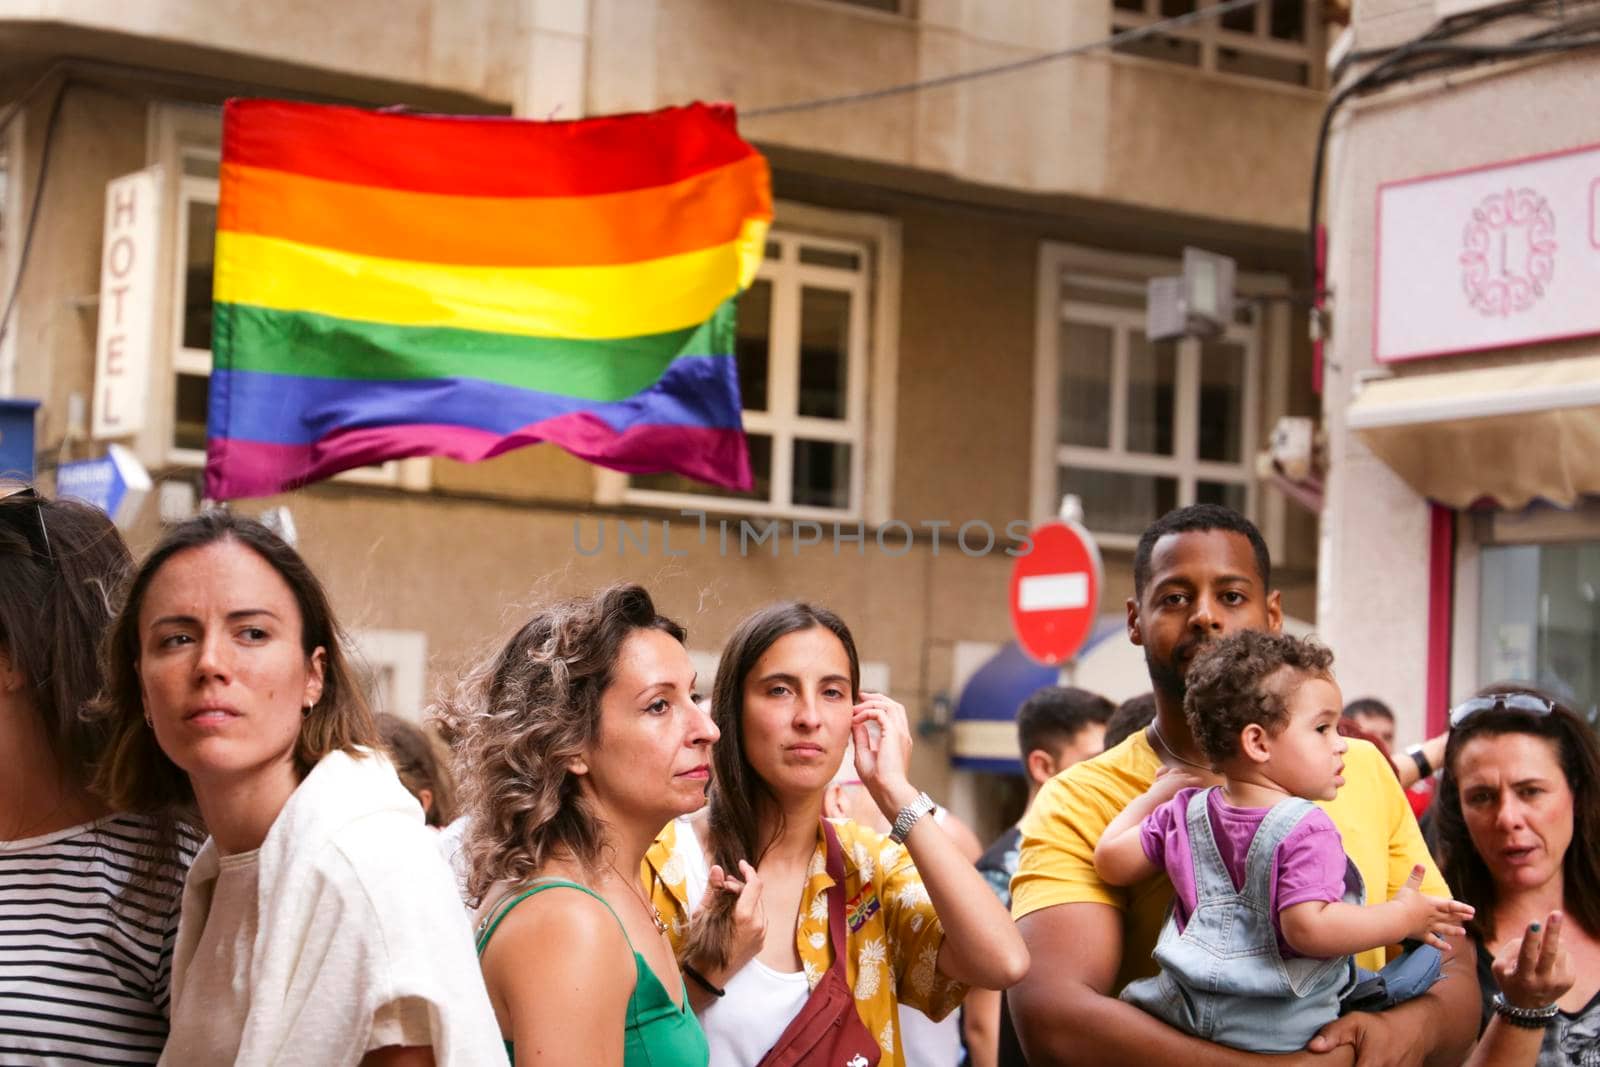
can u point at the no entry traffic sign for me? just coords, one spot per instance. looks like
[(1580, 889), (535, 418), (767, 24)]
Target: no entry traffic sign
[(1055, 591)]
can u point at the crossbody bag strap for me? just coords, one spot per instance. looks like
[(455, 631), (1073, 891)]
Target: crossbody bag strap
[(835, 870)]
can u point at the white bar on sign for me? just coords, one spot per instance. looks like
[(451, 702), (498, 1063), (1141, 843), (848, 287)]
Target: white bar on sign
[(1053, 592)]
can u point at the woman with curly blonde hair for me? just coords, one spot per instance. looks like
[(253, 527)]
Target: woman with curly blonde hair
[(574, 747)]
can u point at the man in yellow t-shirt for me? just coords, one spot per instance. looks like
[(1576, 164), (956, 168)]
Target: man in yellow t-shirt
[(1199, 573)]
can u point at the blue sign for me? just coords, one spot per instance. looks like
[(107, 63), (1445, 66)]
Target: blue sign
[(16, 437), (115, 483)]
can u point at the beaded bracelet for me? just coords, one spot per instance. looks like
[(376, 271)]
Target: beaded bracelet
[(1527, 1018)]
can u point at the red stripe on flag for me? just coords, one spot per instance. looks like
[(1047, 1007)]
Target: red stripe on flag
[(478, 156)]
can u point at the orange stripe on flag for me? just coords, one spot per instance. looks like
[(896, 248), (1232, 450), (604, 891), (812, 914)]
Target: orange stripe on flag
[(608, 229)]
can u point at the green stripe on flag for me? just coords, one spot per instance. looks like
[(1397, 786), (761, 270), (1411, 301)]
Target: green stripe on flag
[(259, 339)]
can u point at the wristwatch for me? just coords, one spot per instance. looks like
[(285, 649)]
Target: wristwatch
[(920, 805), (1527, 1018), (1420, 758)]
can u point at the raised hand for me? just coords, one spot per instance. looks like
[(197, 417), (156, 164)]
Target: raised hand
[(1432, 919), (749, 916), (882, 738), (1535, 971)]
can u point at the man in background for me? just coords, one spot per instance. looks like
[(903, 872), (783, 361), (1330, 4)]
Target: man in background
[(1373, 716), (1131, 716), (1057, 727)]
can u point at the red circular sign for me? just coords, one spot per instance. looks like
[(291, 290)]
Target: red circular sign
[(1055, 592)]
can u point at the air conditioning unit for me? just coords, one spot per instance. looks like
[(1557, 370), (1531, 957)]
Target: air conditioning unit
[(1197, 303)]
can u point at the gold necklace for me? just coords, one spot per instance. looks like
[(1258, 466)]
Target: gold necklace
[(651, 909), (1155, 732)]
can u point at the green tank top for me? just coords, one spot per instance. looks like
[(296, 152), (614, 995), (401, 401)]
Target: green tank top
[(658, 1033)]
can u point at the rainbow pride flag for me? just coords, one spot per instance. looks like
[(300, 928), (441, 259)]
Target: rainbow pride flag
[(392, 285)]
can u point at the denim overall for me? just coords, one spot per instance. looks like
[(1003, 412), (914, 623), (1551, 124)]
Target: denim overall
[(1223, 977)]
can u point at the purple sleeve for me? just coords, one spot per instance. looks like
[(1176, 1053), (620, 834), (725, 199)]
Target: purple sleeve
[(1159, 824), (1310, 863)]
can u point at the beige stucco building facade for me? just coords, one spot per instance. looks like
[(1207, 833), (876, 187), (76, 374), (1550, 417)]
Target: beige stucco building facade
[(948, 330), (1461, 539)]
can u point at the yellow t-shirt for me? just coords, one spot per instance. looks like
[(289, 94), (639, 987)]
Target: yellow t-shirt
[(892, 931), (1072, 810)]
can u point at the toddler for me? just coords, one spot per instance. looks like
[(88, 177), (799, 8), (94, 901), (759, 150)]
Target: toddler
[(1267, 908)]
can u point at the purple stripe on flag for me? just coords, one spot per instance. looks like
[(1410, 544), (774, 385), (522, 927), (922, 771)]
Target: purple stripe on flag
[(241, 468)]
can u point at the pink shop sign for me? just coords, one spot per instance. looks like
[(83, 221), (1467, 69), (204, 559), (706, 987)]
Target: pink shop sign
[(1497, 255)]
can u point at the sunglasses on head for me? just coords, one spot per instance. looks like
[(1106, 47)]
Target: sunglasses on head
[(28, 521), (1528, 702)]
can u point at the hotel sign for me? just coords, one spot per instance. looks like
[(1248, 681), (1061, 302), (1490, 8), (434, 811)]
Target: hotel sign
[(127, 303), (1497, 255)]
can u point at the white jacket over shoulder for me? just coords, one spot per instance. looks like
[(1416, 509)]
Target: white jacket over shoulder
[(356, 911)]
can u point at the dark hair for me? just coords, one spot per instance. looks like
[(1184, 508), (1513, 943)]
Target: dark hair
[(136, 774), (417, 762), (1198, 518), (61, 564), (738, 791), (520, 719), (1054, 715), (1368, 706), (1579, 754), (1230, 686), (1131, 716)]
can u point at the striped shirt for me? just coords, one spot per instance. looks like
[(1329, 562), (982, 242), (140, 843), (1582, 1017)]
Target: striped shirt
[(84, 953)]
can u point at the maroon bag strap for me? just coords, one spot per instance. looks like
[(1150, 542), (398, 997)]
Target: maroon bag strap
[(828, 1031), (835, 868)]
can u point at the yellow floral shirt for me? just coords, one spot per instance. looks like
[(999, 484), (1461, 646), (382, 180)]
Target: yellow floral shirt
[(891, 929)]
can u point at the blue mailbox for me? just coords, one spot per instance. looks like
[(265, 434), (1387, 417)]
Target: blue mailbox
[(16, 437)]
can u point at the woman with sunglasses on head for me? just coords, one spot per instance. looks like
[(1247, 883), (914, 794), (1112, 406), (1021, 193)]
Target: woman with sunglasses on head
[(1519, 833), (575, 745), (808, 933), (90, 903), (319, 924)]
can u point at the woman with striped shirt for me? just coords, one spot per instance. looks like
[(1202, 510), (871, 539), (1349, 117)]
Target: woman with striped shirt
[(88, 908)]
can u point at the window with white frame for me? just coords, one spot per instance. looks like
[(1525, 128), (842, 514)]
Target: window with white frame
[(392, 666), (188, 141), (1135, 427), (805, 330), (1278, 40)]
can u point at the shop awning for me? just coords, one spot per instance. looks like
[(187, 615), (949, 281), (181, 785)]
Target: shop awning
[(985, 728), (1510, 434)]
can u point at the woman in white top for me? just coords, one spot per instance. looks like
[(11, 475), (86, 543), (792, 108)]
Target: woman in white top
[(319, 924), (88, 913)]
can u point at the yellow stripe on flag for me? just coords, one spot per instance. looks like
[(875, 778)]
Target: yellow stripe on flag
[(628, 300)]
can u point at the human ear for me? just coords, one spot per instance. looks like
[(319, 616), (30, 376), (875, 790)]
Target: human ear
[(1253, 743), (316, 664), (425, 798), (1134, 634), (1041, 768), (1275, 612)]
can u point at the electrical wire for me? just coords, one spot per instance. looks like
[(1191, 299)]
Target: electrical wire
[(37, 192), (21, 102), (1121, 38), (1433, 52), (70, 69)]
